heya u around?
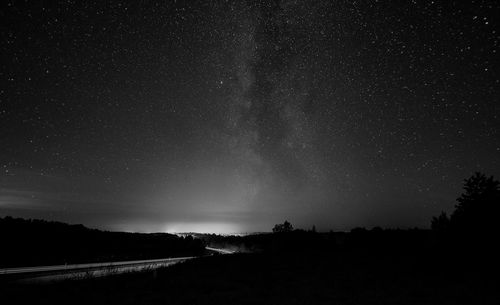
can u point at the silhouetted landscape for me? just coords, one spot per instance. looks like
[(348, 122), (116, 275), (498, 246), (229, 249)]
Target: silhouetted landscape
[(39, 242), (454, 263)]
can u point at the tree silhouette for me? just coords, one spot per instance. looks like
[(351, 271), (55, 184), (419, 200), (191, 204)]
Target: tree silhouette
[(284, 227), (478, 207), (476, 213)]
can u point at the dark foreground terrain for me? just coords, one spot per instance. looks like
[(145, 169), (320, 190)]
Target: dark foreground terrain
[(343, 277), (457, 262), (35, 242)]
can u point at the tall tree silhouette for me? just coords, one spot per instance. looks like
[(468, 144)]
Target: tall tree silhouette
[(478, 207)]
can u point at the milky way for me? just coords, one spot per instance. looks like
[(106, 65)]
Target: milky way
[(233, 116)]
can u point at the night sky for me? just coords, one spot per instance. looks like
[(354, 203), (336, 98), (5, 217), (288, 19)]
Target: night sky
[(233, 116)]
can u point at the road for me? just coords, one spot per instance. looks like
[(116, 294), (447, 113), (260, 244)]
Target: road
[(98, 269)]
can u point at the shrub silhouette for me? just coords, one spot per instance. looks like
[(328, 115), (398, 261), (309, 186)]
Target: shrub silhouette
[(440, 223)]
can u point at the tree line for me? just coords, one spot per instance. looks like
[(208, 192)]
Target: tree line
[(31, 242)]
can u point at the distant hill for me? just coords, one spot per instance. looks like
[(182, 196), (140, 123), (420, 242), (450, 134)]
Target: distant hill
[(31, 242)]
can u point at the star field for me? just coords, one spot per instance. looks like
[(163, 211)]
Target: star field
[(233, 116)]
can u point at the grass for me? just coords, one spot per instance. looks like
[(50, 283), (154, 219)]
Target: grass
[(302, 278)]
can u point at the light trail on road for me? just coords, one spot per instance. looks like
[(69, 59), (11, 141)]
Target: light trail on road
[(73, 267), (99, 269), (222, 251)]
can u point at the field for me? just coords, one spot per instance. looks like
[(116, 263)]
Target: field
[(343, 277)]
